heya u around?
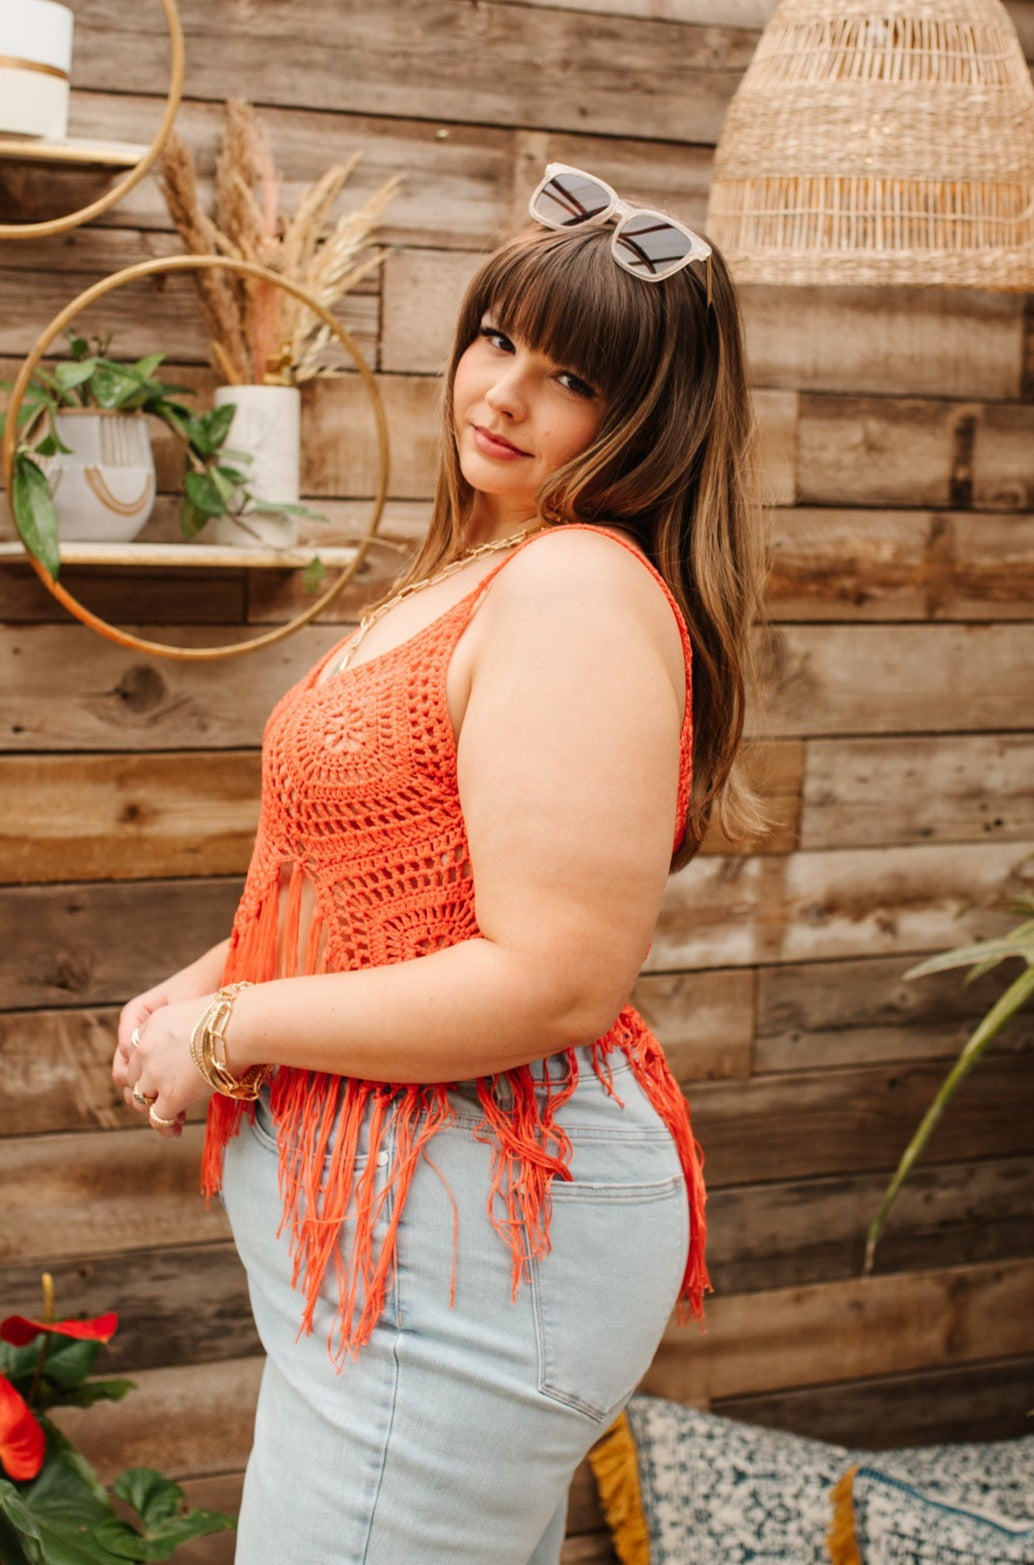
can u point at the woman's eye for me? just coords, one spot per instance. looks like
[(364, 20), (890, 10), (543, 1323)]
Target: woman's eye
[(571, 382), (497, 338)]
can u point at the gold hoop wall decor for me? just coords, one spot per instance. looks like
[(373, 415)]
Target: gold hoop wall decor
[(186, 263), (58, 225)]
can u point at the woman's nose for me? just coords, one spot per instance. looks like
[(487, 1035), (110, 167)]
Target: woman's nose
[(507, 393)]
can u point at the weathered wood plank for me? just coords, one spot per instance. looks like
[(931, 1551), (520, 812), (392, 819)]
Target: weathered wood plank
[(860, 679), (847, 1331), (588, 1549), (98, 945), (1003, 473), (189, 1420), (849, 565), (896, 451), (860, 1119), (898, 341), (109, 698), (457, 192), (828, 1014), (888, 451), (934, 1407), (153, 315), (422, 294), (507, 66), (87, 1195), (960, 788), (186, 596), (127, 817), (57, 1072), (705, 1021), (705, 13), (792, 1232), (778, 421), (819, 906)]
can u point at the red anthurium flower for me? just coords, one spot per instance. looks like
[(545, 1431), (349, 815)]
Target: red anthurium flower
[(19, 1330), (22, 1442)]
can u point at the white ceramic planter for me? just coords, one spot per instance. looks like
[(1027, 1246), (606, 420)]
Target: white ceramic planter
[(266, 425), (104, 490), (35, 62)]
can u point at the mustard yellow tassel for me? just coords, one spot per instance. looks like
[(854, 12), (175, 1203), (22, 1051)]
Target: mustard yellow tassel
[(616, 1470), (843, 1544)]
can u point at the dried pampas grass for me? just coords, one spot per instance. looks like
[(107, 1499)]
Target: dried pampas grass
[(260, 333)]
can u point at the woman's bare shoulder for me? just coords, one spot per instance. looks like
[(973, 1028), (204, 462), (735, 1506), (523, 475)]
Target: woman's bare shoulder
[(575, 567)]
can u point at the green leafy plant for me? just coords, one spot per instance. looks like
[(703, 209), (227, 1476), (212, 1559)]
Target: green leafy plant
[(980, 958), (215, 484), (54, 1510)]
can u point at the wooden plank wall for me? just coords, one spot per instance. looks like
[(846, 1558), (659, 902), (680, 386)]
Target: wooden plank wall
[(895, 746)]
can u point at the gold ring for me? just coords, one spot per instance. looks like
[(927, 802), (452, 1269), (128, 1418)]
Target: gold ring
[(158, 1122), (134, 1038), (143, 1098)]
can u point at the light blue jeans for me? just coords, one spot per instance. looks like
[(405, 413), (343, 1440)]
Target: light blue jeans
[(452, 1438)]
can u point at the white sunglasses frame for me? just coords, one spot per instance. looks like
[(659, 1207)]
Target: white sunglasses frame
[(699, 249)]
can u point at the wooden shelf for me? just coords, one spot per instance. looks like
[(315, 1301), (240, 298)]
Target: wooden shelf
[(83, 154), (196, 555)]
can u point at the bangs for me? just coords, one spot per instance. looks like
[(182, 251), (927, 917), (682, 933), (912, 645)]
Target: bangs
[(563, 295)]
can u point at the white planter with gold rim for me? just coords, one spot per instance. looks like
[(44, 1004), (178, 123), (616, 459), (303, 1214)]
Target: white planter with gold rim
[(104, 488), (35, 64)]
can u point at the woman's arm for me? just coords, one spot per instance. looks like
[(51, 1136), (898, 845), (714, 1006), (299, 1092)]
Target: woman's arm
[(568, 769)]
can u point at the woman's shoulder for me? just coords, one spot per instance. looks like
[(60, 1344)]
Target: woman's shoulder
[(571, 563)]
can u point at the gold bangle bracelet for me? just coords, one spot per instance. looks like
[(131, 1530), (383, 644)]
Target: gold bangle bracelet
[(209, 1038)]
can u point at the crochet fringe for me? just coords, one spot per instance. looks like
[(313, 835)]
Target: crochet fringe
[(615, 1468), (320, 1188)]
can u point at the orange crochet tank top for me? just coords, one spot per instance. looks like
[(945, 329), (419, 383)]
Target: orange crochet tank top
[(361, 825)]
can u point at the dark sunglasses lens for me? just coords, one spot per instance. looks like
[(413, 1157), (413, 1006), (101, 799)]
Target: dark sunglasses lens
[(570, 198), (648, 244)]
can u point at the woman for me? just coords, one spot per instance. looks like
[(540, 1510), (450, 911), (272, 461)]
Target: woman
[(458, 1171)]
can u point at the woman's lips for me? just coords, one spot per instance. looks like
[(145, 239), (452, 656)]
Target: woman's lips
[(495, 445)]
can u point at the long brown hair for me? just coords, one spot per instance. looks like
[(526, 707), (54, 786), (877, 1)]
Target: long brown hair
[(672, 464)]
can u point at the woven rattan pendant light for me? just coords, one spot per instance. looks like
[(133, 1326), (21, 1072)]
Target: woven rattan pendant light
[(880, 141)]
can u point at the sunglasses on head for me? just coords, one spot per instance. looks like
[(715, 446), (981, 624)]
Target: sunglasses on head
[(647, 243)]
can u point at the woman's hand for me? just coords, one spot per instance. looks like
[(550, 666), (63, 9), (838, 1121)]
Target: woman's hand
[(160, 1078), (185, 995)]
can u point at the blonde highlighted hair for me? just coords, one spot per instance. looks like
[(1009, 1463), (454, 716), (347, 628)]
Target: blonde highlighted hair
[(672, 465)]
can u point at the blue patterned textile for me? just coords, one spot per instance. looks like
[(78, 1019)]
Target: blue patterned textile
[(719, 1492)]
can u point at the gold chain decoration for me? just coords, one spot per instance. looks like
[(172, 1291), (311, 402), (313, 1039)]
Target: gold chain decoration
[(58, 225), (186, 263), (369, 620)]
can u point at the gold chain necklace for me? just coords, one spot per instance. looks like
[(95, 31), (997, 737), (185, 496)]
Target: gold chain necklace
[(478, 552)]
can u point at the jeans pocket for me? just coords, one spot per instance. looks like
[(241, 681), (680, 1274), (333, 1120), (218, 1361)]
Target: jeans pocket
[(605, 1292)]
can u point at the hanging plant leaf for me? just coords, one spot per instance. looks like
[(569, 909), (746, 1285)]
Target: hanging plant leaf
[(34, 512)]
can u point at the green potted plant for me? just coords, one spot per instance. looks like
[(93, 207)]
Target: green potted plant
[(54, 1510), (77, 480)]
